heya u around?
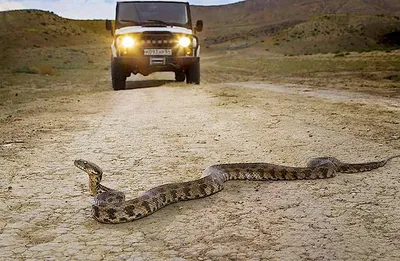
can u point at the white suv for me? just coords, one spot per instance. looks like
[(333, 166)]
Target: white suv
[(154, 36)]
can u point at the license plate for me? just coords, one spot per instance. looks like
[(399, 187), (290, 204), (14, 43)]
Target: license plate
[(157, 51)]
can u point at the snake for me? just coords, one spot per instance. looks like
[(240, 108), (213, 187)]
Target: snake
[(110, 206)]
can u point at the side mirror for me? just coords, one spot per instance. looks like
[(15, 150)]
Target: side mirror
[(199, 26), (109, 27)]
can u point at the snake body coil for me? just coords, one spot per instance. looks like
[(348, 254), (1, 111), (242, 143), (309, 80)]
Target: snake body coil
[(110, 205)]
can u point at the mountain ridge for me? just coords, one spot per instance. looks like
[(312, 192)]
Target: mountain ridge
[(243, 23)]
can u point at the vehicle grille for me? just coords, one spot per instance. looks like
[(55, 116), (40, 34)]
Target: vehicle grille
[(157, 40)]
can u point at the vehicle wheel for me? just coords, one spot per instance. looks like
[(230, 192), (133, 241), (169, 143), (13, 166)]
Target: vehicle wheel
[(118, 77), (180, 76), (193, 73)]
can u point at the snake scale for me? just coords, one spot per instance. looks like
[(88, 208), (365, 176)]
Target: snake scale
[(110, 205)]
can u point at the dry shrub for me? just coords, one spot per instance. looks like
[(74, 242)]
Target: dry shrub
[(393, 77), (46, 70)]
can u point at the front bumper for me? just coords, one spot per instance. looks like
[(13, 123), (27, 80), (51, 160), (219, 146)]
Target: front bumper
[(149, 64)]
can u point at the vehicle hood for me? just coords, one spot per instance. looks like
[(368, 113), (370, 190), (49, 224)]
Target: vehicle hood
[(141, 29)]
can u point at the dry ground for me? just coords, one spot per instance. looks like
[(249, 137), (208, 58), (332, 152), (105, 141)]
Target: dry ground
[(159, 131)]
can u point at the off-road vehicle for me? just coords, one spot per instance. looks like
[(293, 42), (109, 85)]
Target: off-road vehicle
[(154, 36)]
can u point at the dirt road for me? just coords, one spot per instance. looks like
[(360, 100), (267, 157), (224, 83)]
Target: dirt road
[(168, 132)]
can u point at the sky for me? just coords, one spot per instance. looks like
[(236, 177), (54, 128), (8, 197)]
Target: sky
[(83, 9)]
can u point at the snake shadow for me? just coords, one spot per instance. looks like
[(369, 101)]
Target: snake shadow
[(131, 85)]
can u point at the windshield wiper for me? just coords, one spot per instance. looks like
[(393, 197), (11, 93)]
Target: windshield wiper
[(159, 22), (151, 21), (128, 21)]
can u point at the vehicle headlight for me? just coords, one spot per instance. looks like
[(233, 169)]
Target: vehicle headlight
[(125, 42), (184, 41), (128, 42)]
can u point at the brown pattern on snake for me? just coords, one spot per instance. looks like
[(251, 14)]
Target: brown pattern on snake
[(110, 205)]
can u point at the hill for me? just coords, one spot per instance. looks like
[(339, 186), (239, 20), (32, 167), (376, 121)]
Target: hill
[(36, 28), (338, 33), (322, 34), (260, 18), (25, 32), (261, 12), (286, 26)]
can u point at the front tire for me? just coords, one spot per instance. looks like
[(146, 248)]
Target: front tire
[(180, 76), (193, 73), (118, 77)]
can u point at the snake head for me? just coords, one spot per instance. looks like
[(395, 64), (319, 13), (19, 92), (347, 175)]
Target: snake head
[(88, 167), (95, 173)]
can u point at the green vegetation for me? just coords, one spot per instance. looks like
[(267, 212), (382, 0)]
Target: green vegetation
[(25, 69)]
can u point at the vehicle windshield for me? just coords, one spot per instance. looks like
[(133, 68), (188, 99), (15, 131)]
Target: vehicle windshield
[(153, 13)]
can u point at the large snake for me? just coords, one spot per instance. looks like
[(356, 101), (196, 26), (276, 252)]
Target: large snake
[(110, 205)]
